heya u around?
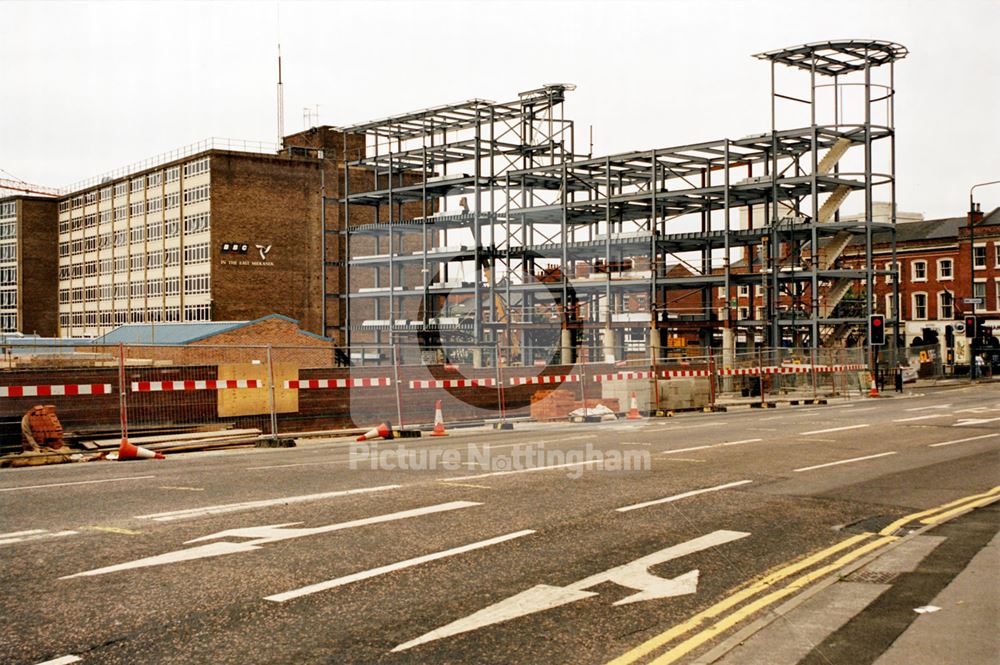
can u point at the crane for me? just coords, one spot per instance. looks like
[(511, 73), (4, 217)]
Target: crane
[(28, 188)]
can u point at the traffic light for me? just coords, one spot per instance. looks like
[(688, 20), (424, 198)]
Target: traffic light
[(971, 327), (876, 328)]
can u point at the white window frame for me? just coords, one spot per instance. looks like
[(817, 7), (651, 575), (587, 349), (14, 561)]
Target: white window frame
[(951, 270), (913, 270), (981, 280), (975, 264), (941, 305), (913, 306)]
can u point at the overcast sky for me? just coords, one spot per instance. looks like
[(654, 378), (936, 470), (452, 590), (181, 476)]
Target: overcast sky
[(89, 87)]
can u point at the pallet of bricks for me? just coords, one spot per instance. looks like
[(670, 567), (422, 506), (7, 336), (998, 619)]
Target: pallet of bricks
[(558, 403)]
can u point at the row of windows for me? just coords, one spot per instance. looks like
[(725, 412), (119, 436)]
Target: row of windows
[(8, 275), (8, 298), (8, 252), (8, 230), (135, 185), (196, 194), (170, 286), (8, 209), (119, 317), (8, 322), (152, 231)]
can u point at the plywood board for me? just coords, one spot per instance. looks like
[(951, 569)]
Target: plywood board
[(255, 401)]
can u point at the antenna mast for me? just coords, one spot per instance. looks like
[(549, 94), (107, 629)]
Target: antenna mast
[(281, 100)]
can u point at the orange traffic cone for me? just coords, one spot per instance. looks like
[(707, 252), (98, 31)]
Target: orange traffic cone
[(874, 391), (127, 451), (383, 431), (633, 411), (438, 421)]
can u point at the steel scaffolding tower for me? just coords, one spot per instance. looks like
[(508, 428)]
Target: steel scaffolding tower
[(558, 254)]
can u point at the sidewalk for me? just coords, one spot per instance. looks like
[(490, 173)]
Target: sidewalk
[(870, 615)]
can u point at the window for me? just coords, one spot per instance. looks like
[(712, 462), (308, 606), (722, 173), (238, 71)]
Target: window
[(121, 290), (194, 284), (154, 179), (171, 201), (172, 286), (138, 184), (196, 194), (195, 168), (946, 311), (107, 266), (891, 269), (172, 257), (946, 270), (137, 234), (106, 216), (64, 249), (196, 254), (173, 174), (920, 306), (121, 263), (172, 313), (888, 307), (196, 223), (8, 252), (996, 290), (919, 271), (63, 296), (744, 291), (136, 208), (154, 287), (89, 221), (996, 251), (90, 269), (121, 188), (106, 291), (154, 230), (138, 289), (121, 237), (119, 213), (197, 312), (106, 194), (155, 259), (90, 197), (743, 313), (171, 228), (138, 261), (979, 256), (8, 230), (979, 291), (154, 204)]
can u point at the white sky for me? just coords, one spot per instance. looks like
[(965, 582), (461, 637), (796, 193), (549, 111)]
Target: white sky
[(89, 87)]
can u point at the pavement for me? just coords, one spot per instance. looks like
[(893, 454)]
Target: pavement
[(527, 546)]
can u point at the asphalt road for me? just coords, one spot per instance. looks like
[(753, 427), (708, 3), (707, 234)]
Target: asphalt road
[(486, 558)]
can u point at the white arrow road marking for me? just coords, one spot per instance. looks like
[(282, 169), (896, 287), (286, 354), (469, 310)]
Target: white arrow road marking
[(400, 565), (634, 575), (677, 497), (262, 535), (248, 505), (35, 534), (965, 422)]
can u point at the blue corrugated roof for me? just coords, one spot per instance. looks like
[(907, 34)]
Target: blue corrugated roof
[(165, 333)]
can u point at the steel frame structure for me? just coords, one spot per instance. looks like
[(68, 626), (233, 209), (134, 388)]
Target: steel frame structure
[(644, 225)]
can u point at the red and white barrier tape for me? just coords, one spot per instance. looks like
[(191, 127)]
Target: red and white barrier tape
[(211, 384), (623, 376), (788, 369), (740, 371), (452, 383), (549, 378), (311, 384), (68, 389), (672, 373)]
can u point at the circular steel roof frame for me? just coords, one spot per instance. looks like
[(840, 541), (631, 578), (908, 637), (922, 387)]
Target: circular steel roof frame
[(840, 56)]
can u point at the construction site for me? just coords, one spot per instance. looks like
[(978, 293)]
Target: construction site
[(489, 234)]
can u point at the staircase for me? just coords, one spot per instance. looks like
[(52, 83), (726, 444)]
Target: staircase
[(833, 156), (833, 297), (835, 335), (833, 249)]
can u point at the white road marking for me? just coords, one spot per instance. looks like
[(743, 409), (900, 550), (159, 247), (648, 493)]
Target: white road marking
[(634, 575), (976, 409), (867, 408), (708, 445), (965, 422), (392, 567), (924, 408), (248, 505), (14, 534), (37, 536), (534, 468), (79, 482), (62, 660), (684, 495), (908, 420), (971, 438), (261, 535), (832, 429), (843, 461)]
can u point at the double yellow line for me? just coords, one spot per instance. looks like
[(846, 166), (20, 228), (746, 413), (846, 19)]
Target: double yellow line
[(731, 619)]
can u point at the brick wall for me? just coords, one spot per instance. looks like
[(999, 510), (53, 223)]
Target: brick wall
[(38, 261)]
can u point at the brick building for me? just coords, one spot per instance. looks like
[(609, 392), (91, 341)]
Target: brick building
[(218, 232), (28, 265)]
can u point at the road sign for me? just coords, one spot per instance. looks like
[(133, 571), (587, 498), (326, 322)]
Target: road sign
[(972, 301)]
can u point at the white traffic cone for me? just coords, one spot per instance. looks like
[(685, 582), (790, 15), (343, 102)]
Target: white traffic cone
[(383, 431), (438, 421), (633, 411)]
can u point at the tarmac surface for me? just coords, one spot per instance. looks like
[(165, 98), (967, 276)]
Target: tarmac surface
[(324, 553)]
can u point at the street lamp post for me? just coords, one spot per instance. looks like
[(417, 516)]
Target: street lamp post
[(972, 267)]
